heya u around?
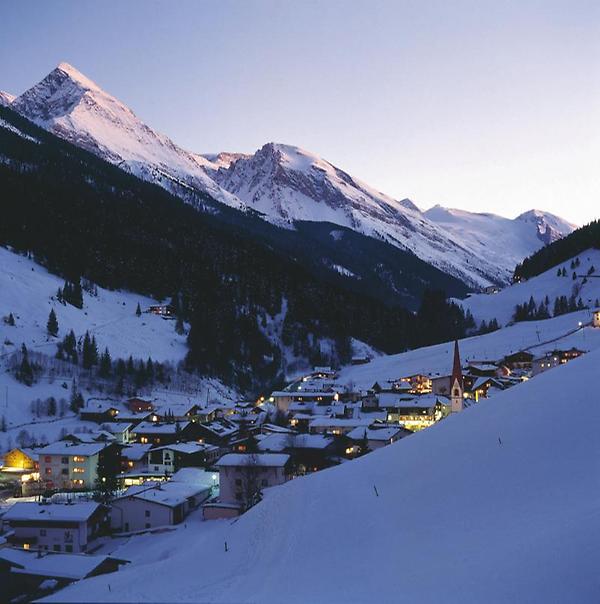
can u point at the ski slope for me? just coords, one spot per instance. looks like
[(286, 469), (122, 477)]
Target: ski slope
[(496, 504), (502, 305)]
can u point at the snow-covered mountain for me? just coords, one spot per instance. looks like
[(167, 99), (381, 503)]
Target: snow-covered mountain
[(72, 106), (283, 183), (6, 98), (501, 240)]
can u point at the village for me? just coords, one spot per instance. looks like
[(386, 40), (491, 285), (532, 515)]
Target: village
[(149, 465)]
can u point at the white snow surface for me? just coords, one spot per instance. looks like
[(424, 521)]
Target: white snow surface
[(502, 305), (496, 504)]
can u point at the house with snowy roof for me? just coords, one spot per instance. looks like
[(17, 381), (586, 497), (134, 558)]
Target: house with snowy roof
[(58, 527), (156, 504), (377, 435), (308, 452), (158, 433), (71, 465), (22, 572), (243, 477), (170, 458)]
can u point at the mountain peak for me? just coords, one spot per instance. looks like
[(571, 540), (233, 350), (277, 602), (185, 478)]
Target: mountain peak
[(6, 98), (76, 76)]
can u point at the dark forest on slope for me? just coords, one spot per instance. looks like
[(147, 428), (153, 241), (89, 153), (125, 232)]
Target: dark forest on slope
[(550, 256), (82, 217)]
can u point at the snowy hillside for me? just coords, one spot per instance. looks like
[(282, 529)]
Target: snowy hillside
[(502, 305), (72, 106), (538, 337), (495, 504), (283, 183), (501, 240), (28, 291)]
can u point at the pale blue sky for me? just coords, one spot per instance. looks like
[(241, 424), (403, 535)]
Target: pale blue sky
[(486, 106)]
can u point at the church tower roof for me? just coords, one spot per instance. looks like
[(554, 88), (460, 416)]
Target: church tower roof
[(456, 366)]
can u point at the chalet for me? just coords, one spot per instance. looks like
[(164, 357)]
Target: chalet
[(170, 458), (418, 383), (220, 432), (176, 411), (301, 421), (158, 433), (156, 504), (479, 387), (324, 373), (519, 360), (99, 412), (120, 430), (308, 452), (134, 457), (482, 369), (336, 426), (162, 310), (554, 359), (66, 465), (284, 398), (596, 317), (56, 527), (139, 405), (419, 412), (377, 435), (21, 460), (27, 570), (242, 478)]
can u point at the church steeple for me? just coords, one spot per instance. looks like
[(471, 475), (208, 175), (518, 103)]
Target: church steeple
[(456, 382)]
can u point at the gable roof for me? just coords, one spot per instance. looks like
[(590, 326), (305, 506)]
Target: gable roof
[(63, 447), (265, 460), (51, 512)]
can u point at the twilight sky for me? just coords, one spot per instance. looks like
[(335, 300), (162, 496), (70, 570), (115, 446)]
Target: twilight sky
[(489, 106)]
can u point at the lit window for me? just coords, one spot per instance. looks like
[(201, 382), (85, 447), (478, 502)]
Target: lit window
[(78, 459), (79, 470)]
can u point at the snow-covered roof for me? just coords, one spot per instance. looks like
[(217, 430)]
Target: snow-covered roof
[(280, 442), (170, 493), (325, 422), (268, 460), (195, 476), (63, 447), (52, 512), (136, 451), (53, 565), (159, 428), (383, 433), (187, 448)]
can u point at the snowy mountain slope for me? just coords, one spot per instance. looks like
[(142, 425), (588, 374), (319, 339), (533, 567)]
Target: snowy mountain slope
[(502, 305), (538, 337), (287, 184), (72, 106), (6, 98), (27, 289), (495, 504), (501, 240)]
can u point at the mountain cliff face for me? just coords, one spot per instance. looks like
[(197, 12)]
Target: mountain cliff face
[(283, 184)]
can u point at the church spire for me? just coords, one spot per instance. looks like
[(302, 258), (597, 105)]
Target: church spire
[(456, 382)]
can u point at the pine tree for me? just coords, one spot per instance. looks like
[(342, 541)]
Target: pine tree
[(138, 311), (25, 371), (179, 326), (89, 353), (105, 364), (52, 325), (10, 320), (77, 401)]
